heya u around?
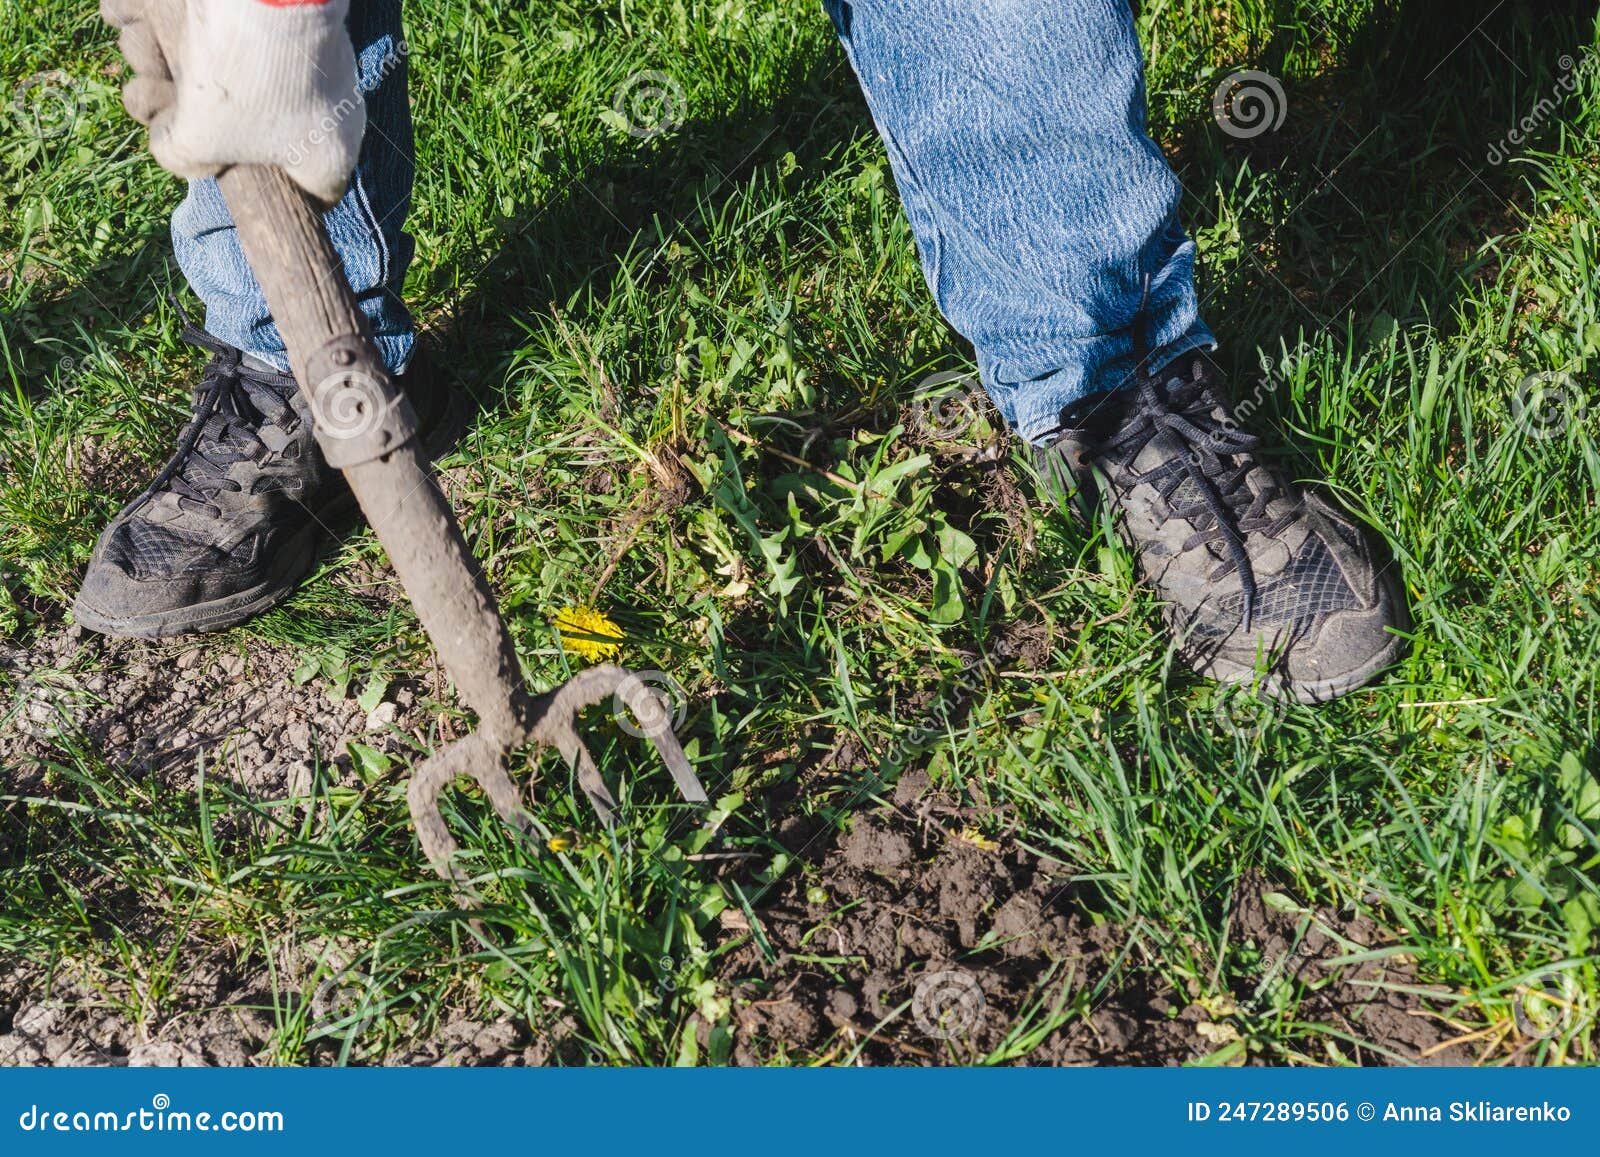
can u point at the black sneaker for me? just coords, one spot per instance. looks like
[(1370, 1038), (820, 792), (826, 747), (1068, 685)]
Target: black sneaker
[(1261, 579), (232, 522)]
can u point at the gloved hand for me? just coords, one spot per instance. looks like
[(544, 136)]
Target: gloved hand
[(232, 82)]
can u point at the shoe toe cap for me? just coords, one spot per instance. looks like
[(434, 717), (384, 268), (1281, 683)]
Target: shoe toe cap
[(122, 587), (1336, 653), (1348, 649)]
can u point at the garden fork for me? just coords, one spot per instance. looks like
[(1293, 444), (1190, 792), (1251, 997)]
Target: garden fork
[(366, 428)]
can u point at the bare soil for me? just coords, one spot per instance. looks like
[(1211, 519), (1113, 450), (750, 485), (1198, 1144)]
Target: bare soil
[(914, 943), (910, 940), (159, 708)]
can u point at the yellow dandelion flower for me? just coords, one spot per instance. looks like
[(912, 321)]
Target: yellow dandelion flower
[(978, 840), (585, 631), (562, 843)]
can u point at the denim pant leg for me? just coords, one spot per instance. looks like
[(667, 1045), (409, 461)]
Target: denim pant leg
[(367, 227), (1016, 132)]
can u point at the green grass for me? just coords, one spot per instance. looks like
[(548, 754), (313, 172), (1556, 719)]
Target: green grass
[(742, 296)]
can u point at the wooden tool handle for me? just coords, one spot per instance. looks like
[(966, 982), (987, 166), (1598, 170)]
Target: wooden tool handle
[(330, 348)]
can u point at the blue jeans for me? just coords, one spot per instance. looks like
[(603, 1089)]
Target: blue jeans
[(1015, 129), (367, 227)]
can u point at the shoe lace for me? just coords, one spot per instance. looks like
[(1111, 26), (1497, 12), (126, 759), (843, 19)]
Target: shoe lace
[(1217, 458), (230, 404)]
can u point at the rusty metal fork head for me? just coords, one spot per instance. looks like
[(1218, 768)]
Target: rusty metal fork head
[(550, 720)]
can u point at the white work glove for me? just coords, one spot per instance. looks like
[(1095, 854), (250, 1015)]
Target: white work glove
[(236, 82)]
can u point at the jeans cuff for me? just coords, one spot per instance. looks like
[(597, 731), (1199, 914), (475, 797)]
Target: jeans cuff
[(1198, 338), (1035, 411), (395, 348)]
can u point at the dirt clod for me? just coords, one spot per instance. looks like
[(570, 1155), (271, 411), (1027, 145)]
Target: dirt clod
[(913, 942)]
